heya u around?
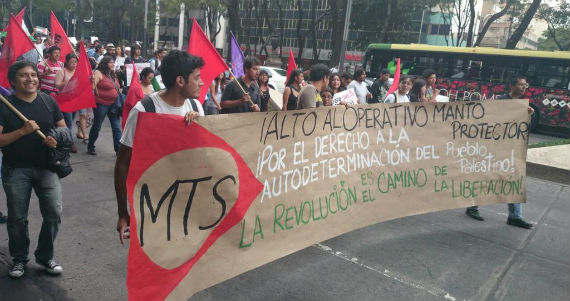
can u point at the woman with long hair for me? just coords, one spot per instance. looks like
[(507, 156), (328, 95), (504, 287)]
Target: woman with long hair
[(292, 90), (418, 91), (61, 79), (263, 82), (146, 76), (107, 91), (216, 90), (335, 84)]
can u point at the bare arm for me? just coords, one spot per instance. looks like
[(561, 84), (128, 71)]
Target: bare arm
[(121, 170), (96, 78), (60, 79), (213, 95), (286, 94)]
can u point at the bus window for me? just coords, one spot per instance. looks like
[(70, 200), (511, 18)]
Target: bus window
[(458, 68), (550, 75), (474, 70)]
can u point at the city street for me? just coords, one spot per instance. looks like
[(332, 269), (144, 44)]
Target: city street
[(438, 256)]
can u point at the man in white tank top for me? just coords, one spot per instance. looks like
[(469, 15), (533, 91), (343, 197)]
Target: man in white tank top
[(181, 75)]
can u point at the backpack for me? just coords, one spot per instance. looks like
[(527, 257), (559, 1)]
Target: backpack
[(149, 107)]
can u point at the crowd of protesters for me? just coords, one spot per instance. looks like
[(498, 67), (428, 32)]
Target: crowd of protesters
[(24, 159)]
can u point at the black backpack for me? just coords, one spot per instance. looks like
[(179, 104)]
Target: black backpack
[(149, 107)]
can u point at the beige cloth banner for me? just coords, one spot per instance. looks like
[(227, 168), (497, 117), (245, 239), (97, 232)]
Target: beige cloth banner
[(321, 173)]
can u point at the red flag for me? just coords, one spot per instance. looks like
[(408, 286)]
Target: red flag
[(135, 94), (16, 44), (78, 93), (394, 86), (200, 45), (59, 38), (291, 65), (164, 135)]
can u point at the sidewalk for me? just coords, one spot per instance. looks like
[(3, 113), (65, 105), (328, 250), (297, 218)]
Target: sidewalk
[(549, 163)]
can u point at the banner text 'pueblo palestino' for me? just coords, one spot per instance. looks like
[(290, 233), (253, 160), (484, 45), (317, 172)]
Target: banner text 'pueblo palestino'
[(229, 193)]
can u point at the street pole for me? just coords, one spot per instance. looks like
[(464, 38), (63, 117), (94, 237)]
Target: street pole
[(345, 35), (421, 26), (145, 27), (181, 26), (156, 25)]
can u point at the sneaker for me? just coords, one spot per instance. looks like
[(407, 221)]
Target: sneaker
[(519, 222), (92, 152), (474, 214), (17, 270), (3, 218), (51, 267)]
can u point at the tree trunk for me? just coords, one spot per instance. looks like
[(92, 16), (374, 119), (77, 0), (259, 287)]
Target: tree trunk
[(314, 30), (300, 36), (79, 15), (337, 17), (517, 35), (471, 23), (281, 28), (387, 22), (133, 21), (233, 16), (492, 19)]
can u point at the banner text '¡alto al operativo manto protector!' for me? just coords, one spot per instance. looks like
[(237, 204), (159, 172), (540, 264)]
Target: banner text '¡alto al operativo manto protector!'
[(229, 193)]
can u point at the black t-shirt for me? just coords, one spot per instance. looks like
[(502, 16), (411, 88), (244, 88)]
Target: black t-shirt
[(28, 151), (233, 92)]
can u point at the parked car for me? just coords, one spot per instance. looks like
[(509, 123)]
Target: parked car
[(277, 78)]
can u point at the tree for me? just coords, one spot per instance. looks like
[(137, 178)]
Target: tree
[(459, 14), (558, 20), (490, 21), (562, 41), (518, 33)]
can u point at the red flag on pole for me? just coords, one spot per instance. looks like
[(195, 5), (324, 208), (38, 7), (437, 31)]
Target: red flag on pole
[(16, 44), (394, 85), (59, 37), (78, 93), (291, 65), (135, 94), (200, 45)]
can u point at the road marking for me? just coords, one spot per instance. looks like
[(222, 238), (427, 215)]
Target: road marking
[(386, 273)]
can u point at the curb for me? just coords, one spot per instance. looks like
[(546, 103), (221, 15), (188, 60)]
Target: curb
[(549, 173)]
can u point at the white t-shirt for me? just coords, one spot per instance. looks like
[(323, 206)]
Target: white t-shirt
[(401, 98), (360, 89), (160, 107)]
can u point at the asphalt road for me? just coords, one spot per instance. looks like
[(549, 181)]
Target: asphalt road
[(437, 256)]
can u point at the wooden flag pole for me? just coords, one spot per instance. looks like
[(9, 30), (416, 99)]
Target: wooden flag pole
[(11, 107), (242, 89)]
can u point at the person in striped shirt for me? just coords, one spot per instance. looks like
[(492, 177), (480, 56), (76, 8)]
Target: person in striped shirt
[(48, 72)]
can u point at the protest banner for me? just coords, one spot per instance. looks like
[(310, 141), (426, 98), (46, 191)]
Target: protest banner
[(348, 96), (129, 70), (229, 193)]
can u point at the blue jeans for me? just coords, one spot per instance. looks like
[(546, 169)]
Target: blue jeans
[(99, 114), (18, 184), (515, 210), (68, 117)]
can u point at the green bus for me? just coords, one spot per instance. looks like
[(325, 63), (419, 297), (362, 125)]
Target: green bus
[(482, 73)]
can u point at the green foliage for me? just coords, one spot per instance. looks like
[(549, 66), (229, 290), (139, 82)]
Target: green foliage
[(547, 42), (45, 6)]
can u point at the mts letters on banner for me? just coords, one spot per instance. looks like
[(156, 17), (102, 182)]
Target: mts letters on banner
[(212, 200)]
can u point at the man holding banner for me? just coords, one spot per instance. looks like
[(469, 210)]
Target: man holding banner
[(234, 99), (181, 77)]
